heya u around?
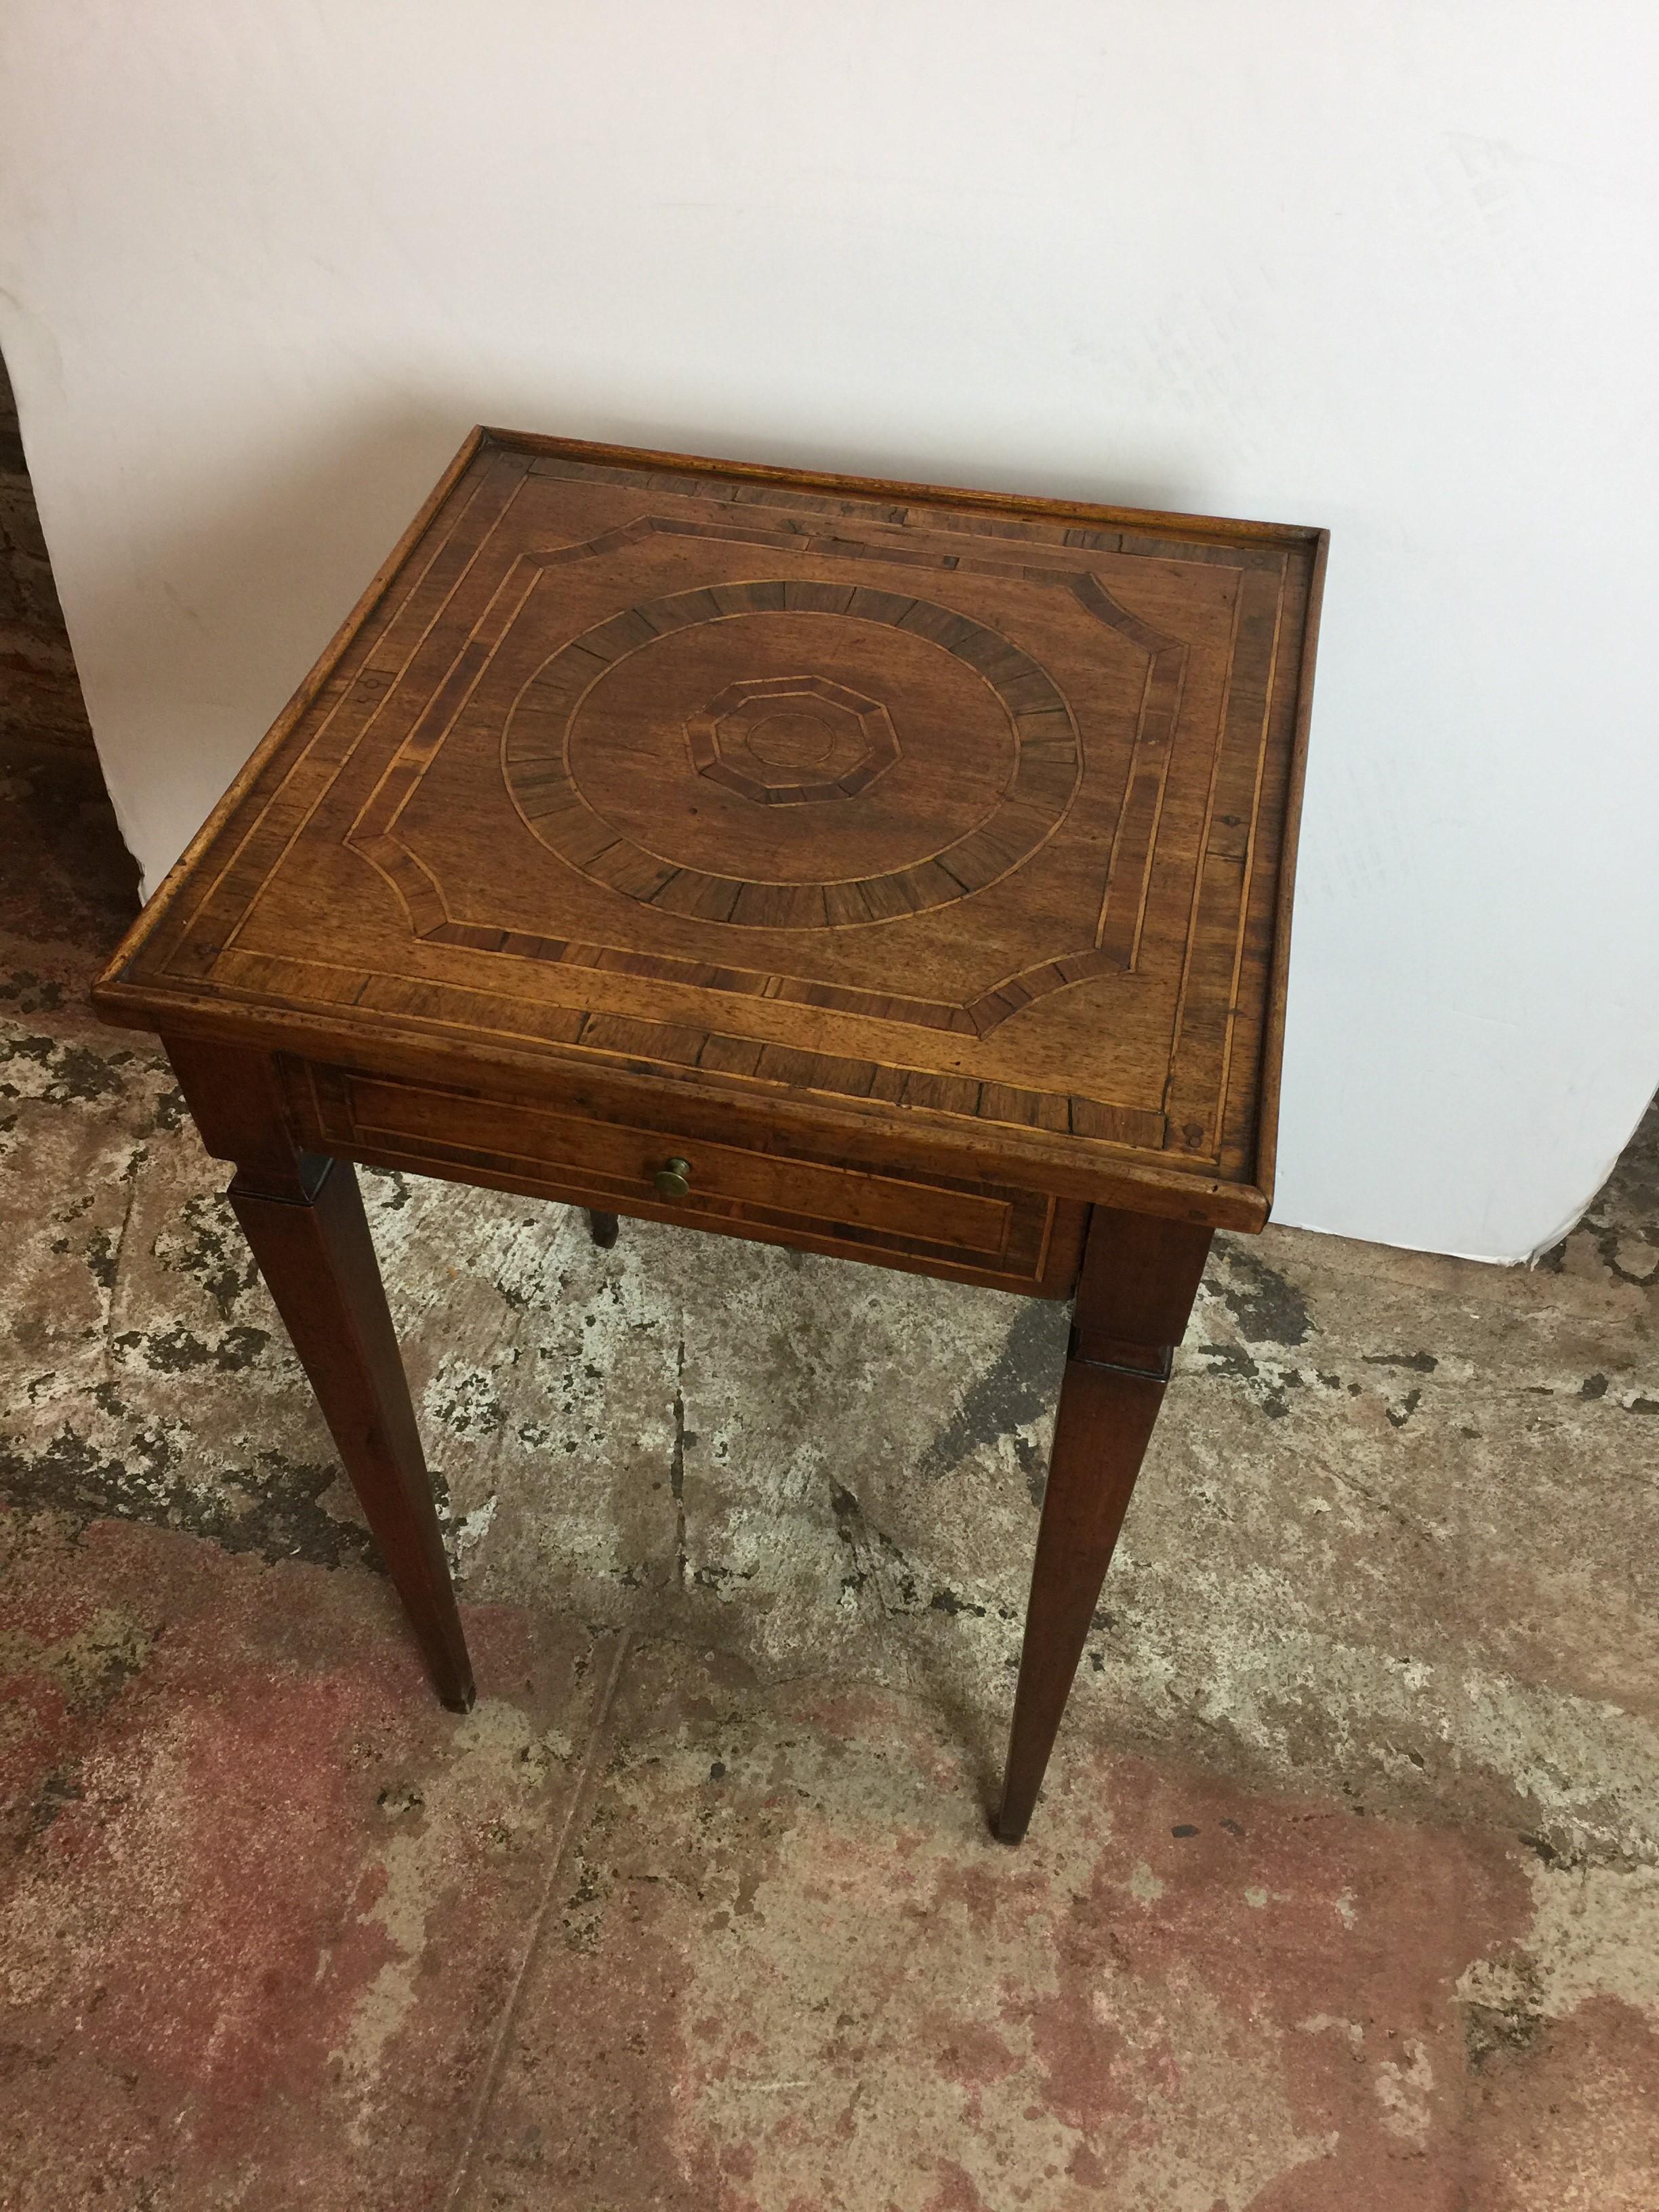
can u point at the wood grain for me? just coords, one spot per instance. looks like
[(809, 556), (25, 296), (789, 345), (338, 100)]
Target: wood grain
[(949, 808)]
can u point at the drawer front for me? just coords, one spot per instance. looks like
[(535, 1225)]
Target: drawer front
[(987, 1232)]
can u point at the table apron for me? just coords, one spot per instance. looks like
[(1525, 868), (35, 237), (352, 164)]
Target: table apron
[(1004, 1235)]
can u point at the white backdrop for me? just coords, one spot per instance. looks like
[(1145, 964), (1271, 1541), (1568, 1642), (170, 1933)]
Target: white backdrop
[(1384, 265)]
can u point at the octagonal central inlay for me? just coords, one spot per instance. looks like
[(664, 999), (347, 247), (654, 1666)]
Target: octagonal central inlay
[(789, 740)]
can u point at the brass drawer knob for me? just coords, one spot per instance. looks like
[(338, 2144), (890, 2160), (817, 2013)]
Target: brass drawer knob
[(673, 1179)]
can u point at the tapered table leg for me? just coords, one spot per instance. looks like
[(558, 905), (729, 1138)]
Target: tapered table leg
[(603, 1227), (303, 1216), (1140, 1277), (317, 1260)]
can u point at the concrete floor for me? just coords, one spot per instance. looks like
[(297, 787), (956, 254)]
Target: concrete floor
[(1343, 1892)]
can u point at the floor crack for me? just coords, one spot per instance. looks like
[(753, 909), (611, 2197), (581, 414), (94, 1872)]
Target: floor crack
[(131, 1181), (575, 1810), (676, 1461)]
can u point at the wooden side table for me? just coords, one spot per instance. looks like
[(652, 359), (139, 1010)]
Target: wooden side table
[(873, 869)]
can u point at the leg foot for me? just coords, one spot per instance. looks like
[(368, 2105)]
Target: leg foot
[(603, 1228)]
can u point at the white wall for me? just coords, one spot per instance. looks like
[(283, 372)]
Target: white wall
[(1384, 265)]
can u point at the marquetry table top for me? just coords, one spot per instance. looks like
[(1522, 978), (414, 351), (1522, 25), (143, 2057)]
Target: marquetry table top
[(971, 814)]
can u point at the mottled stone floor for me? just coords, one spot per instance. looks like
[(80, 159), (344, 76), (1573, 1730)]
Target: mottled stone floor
[(1343, 1893)]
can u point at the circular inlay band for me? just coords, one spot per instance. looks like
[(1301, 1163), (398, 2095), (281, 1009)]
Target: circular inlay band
[(759, 739)]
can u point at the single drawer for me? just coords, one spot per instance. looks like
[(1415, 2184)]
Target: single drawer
[(987, 1232)]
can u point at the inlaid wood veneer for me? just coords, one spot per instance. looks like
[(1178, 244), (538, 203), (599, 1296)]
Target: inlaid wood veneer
[(910, 866)]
